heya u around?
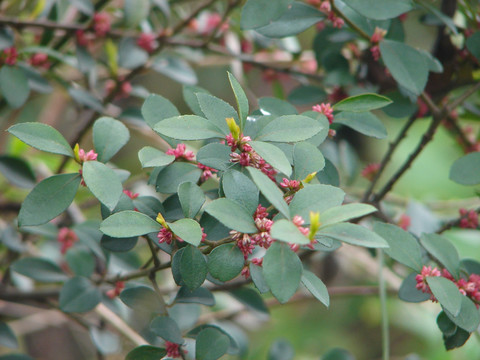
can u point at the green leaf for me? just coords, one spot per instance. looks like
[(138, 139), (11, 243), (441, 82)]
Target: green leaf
[(345, 212), (276, 107), (446, 326), (142, 298), (17, 171), (85, 98), (48, 199), (175, 68), (458, 339), (443, 251), (329, 175), (465, 169), (238, 187), (282, 270), (81, 261), (338, 354), (363, 102), (272, 155), (385, 9), (109, 136), (287, 231), (446, 293), (365, 123), (444, 18), (408, 291), (129, 223), (146, 352), (85, 6), (473, 44), (157, 108), (166, 328), (353, 234), (298, 18), (188, 230), (191, 198), (241, 98), (105, 341), (216, 111), (193, 267), (135, 11), (469, 316), (14, 86), (307, 95), (257, 13), (289, 128), (307, 159), (216, 156), (403, 247), (316, 287), (198, 296), (85, 61), (316, 198), (78, 295), (103, 182), (42, 137), (225, 262), (39, 269), (232, 215), (151, 157), (250, 298), (7, 337), (270, 190), (256, 272), (174, 174), (130, 55), (211, 344), (188, 127), (190, 96), (406, 64)]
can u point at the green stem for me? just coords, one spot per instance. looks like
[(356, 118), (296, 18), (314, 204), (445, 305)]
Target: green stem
[(383, 304)]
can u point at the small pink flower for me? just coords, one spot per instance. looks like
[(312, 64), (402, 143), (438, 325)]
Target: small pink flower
[(39, 59), (291, 184), (81, 38), (207, 172), (204, 236), (180, 152), (325, 109), (11, 55), (113, 293), (260, 212), (147, 42), (130, 194), (325, 7), (257, 261), (404, 221), (66, 237), (245, 272), (370, 171), (173, 350), (89, 156), (101, 24), (165, 236), (422, 278), (469, 219)]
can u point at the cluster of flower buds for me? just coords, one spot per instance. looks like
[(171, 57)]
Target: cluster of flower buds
[(325, 7), (377, 36), (370, 171), (181, 152), (325, 109), (469, 219), (113, 293), (469, 287), (9, 56), (66, 237)]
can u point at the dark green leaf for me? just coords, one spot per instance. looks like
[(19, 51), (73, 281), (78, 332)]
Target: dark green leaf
[(78, 295), (306, 95), (238, 187), (118, 244), (188, 230), (316, 287), (473, 44), (146, 352), (142, 298), (7, 337), (363, 102), (193, 267), (270, 190), (469, 316), (48, 199), (298, 18), (257, 13), (198, 296), (276, 107), (14, 86), (191, 197), (443, 251), (406, 64), (211, 344), (85, 6), (285, 230), (281, 350), (329, 175), (272, 155), (105, 341), (446, 326), (188, 127), (345, 212), (157, 108), (232, 215), (447, 293), (109, 136), (409, 293), (190, 95), (174, 174), (307, 159), (353, 234), (256, 272), (151, 157), (83, 97), (39, 269), (126, 224), (17, 171), (458, 339), (404, 248), (135, 11), (250, 298), (282, 270), (338, 354), (167, 329), (289, 128), (103, 182), (385, 9), (444, 18), (316, 198), (81, 261), (216, 156), (465, 169), (364, 122), (216, 111), (225, 262), (175, 68), (241, 98), (42, 137)]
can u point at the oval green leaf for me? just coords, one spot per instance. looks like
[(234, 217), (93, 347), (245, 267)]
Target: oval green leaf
[(238, 187), (129, 223), (272, 155), (364, 122), (78, 295), (109, 136), (307, 159), (167, 329), (191, 198), (39, 269), (188, 230), (193, 267), (146, 352), (225, 262), (14, 86), (188, 127), (363, 102), (151, 157), (465, 169), (103, 182), (447, 293), (289, 128), (316, 287), (443, 251), (211, 344), (353, 234), (232, 215), (287, 231)]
